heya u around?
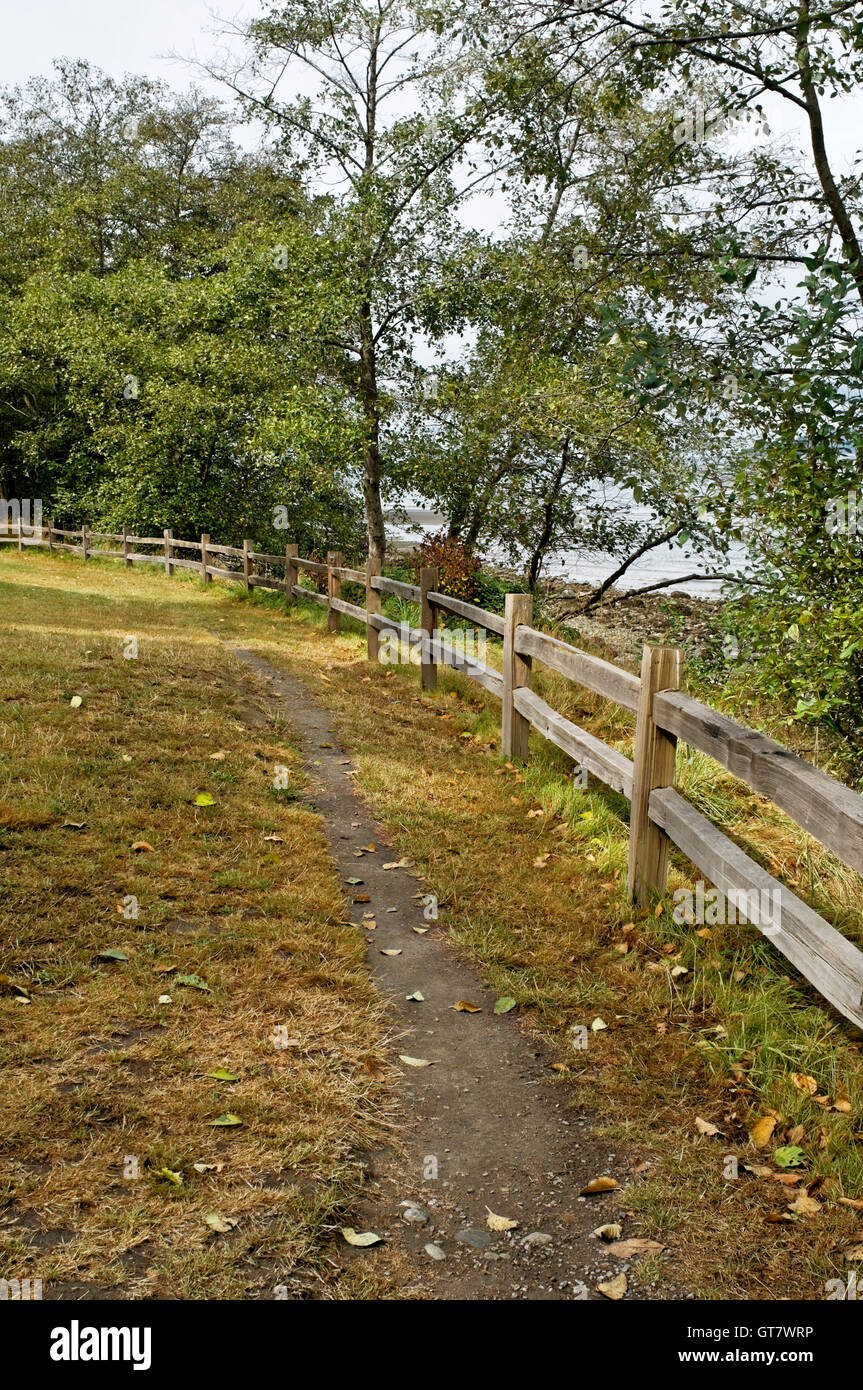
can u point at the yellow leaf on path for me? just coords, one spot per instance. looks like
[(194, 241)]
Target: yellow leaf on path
[(610, 1232), (614, 1288), (463, 1007), (391, 953), (420, 931), (499, 1223), (414, 1061), (361, 1238), (599, 1185), (399, 864), (762, 1131)]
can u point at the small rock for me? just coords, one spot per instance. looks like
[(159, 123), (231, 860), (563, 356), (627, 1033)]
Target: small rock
[(475, 1237), (434, 1252), (415, 1216), (535, 1238)]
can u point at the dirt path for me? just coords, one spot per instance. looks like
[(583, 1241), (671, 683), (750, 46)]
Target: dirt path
[(484, 1128)]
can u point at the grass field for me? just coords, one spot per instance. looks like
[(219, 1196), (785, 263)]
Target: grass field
[(704, 1027), (115, 1171)]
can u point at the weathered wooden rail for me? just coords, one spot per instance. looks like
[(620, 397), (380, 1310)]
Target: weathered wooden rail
[(660, 816)]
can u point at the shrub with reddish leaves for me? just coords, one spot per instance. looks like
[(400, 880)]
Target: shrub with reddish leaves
[(456, 563)]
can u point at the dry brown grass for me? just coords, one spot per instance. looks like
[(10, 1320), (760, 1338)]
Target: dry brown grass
[(101, 1079)]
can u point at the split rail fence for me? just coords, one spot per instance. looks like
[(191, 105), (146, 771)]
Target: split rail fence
[(823, 806)]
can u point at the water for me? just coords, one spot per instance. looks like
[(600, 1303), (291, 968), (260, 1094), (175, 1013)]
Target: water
[(664, 563)]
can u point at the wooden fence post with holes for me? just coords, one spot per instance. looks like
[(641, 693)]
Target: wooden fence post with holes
[(247, 564), (292, 572), (334, 590), (50, 535), (84, 542), (205, 541), (653, 768), (373, 605), (516, 673), (169, 568), (429, 580)]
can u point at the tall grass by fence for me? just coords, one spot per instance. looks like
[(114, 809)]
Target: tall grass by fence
[(831, 812)]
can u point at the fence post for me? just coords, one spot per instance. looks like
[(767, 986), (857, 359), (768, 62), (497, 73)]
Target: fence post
[(334, 590), (205, 541), (292, 572), (373, 605), (84, 541), (653, 767), (429, 580), (247, 563), (516, 673), (20, 535), (50, 535), (169, 568), (127, 559)]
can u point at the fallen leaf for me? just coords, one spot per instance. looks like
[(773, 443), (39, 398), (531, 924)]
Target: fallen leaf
[(76, 701), (420, 931), (855, 1202), (362, 1238), (273, 840), (854, 1253), (414, 1061), (391, 953), (463, 1007), (194, 982), (222, 1224), (804, 1205), (614, 1288), (599, 1185), (73, 825), (504, 1005), (541, 860), (399, 864), (499, 1223), (804, 1083), (141, 846), (18, 990), (362, 898), (218, 757), (221, 1075), (208, 1167), (112, 953), (205, 799), (625, 1249), (705, 1127), (598, 1025), (175, 1178), (227, 1121), (417, 997), (610, 1232), (762, 1131), (791, 1156)]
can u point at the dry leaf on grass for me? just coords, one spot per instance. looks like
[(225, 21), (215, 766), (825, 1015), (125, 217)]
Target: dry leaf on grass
[(221, 1224), (705, 1127), (804, 1083), (141, 847), (762, 1131), (804, 1205)]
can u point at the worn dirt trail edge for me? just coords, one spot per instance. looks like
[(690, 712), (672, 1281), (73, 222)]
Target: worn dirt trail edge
[(485, 1117)]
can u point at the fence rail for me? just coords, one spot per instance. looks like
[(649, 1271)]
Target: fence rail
[(660, 816)]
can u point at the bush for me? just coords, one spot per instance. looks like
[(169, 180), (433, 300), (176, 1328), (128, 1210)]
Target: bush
[(456, 562)]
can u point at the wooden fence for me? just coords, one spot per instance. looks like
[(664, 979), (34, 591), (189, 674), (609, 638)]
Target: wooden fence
[(827, 809)]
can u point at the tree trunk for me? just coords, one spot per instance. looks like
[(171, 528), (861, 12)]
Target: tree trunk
[(371, 438), (551, 497)]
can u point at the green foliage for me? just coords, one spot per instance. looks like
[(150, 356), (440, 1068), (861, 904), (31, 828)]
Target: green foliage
[(456, 564)]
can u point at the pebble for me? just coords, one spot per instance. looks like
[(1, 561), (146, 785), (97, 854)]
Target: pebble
[(435, 1252), (535, 1238), (475, 1237)]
